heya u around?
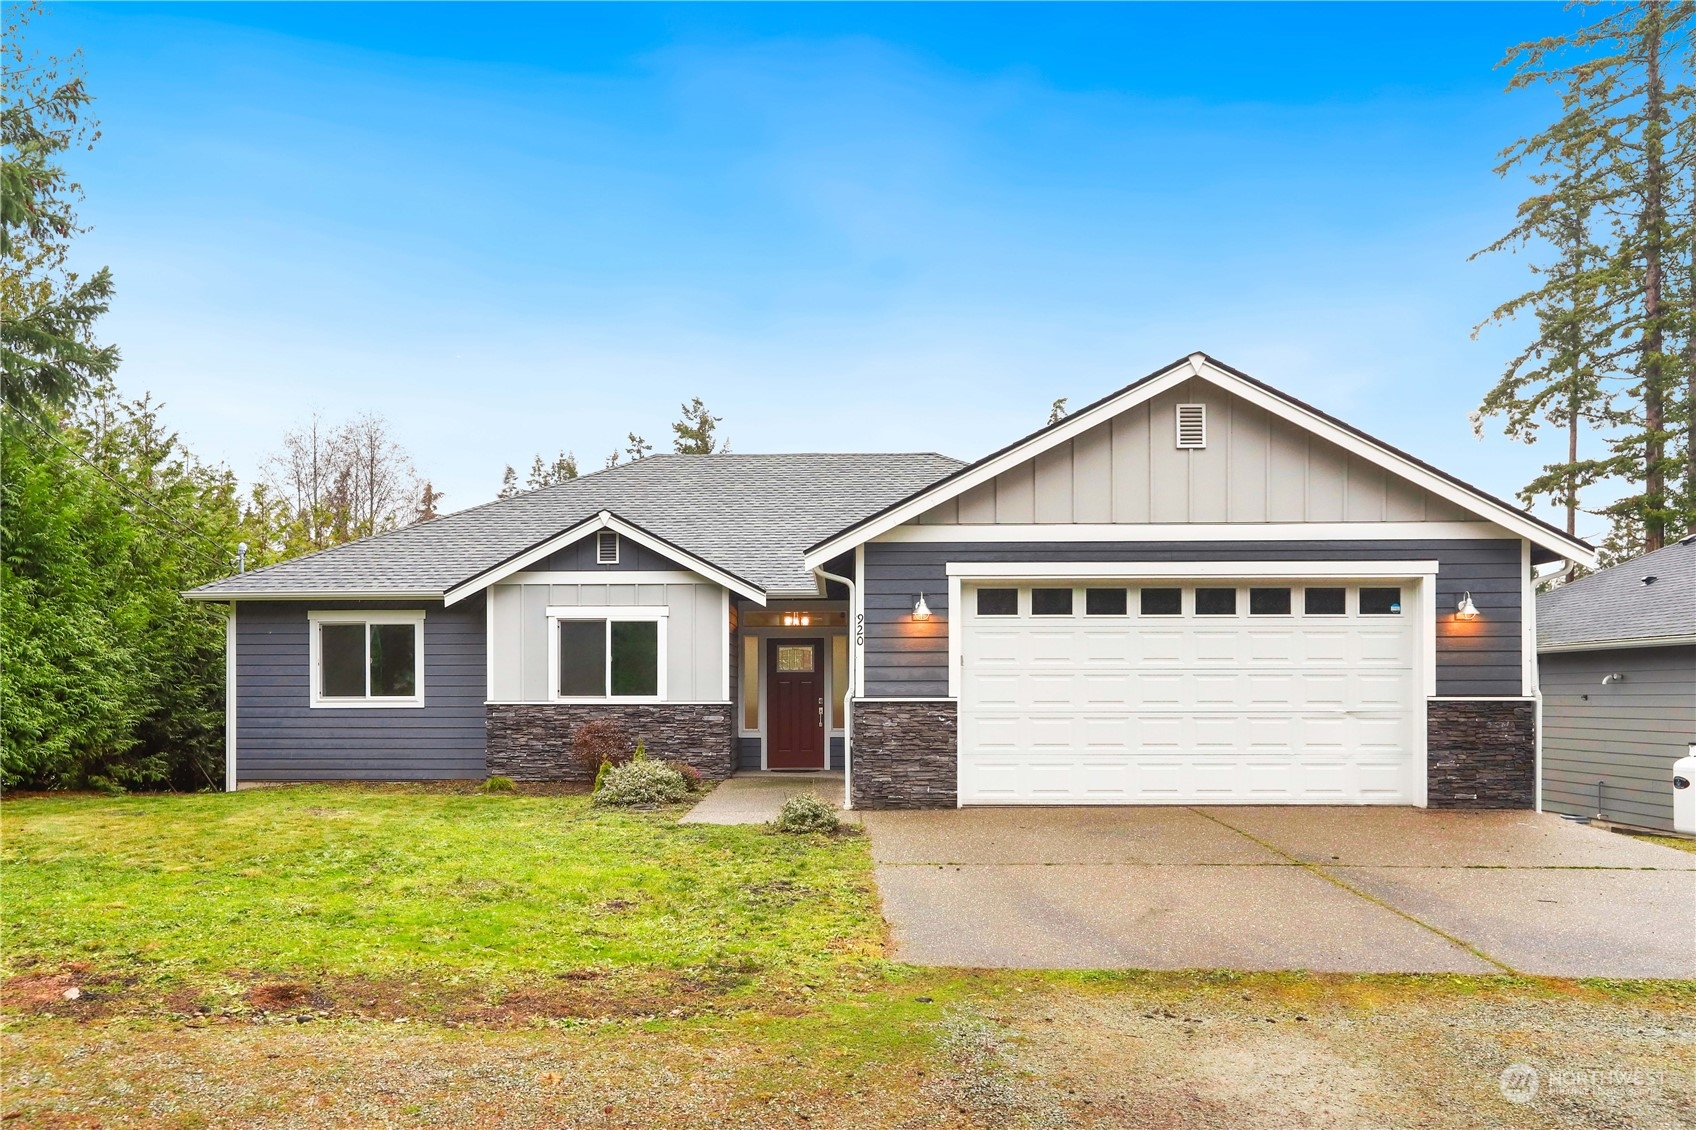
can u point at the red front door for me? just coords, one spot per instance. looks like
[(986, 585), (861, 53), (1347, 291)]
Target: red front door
[(795, 704)]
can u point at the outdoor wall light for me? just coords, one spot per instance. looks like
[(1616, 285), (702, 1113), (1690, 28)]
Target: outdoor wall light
[(1466, 610), (921, 610), (796, 619)]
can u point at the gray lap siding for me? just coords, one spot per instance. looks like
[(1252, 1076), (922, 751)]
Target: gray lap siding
[(280, 737), (908, 659)]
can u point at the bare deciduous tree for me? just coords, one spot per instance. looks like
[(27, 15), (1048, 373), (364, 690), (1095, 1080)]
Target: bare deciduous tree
[(343, 483)]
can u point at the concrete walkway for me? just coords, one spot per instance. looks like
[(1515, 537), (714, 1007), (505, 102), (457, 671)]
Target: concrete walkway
[(755, 798), (1356, 890)]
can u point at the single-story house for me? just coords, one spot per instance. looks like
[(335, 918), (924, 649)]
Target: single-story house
[(1195, 590), (1617, 655)]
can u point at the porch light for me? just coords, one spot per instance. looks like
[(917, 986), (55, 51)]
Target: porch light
[(797, 619), (1466, 610), (921, 610)]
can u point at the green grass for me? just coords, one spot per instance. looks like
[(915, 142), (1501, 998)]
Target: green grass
[(1682, 843), (394, 882)]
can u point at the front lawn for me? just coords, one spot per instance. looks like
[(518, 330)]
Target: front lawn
[(393, 884), (430, 956)]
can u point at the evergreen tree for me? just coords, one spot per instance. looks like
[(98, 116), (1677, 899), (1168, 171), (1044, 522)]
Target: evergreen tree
[(638, 448), (695, 431), (509, 483), (1057, 410), (1608, 309), (48, 351)]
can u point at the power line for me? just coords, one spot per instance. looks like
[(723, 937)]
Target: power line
[(216, 560)]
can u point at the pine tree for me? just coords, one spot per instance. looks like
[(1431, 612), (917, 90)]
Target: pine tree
[(509, 483), (695, 431), (1057, 411), (638, 448), (1616, 161), (427, 500)]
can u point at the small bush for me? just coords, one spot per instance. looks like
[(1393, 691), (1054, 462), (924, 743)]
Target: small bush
[(604, 741), (641, 782), (807, 812), (691, 776), (498, 785)]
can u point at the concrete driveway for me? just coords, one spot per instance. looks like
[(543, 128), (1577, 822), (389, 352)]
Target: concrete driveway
[(1324, 889)]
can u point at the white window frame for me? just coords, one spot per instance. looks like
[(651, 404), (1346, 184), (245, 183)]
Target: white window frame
[(315, 621), (608, 613)]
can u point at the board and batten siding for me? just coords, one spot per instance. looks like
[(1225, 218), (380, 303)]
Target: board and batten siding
[(281, 737), (1625, 734), (695, 631), (1255, 468), (904, 658)]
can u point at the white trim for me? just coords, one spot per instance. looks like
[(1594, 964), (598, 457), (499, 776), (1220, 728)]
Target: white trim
[(1197, 365), (724, 645), (314, 594), (956, 618), (1202, 531), (1527, 623), (1245, 570), (230, 689), (1480, 697), (489, 646), (600, 540), (606, 577), (315, 619), (857, 617), (906, 698), (605, 520), (1619, 645), (660, 615)]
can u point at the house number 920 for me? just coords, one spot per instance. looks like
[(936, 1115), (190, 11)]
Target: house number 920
[(860, 630)]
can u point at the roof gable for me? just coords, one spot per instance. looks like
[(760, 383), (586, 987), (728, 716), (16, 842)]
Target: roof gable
[(1396, 484)]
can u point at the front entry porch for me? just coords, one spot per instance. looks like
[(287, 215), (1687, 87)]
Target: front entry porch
[(756, 797), (791, 673)]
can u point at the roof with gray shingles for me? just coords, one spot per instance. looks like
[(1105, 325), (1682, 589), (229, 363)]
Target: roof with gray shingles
[(1615, 605), (750, 515)]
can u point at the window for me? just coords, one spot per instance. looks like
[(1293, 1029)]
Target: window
[(998, 602), (795, 657), (1268, 602), (750, 676), (1215, 602), (606, 548), (1381, 602), (1192, 426), (1162, 602), (367, 658), (1051, 602), (1104, 602), (839, 680), (609, 652), (1325, 602)]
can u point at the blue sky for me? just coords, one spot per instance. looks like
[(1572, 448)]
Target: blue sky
[(522, 228)]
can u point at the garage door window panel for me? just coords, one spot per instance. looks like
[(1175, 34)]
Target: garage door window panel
[(1162, 602), (1380, 601), (1325, 601), (1051, 602), (998, 602), (1269, 602), (1215, 602), (1104, 602)]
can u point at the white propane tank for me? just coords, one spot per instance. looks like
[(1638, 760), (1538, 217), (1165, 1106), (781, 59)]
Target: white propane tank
[(1684, 793)]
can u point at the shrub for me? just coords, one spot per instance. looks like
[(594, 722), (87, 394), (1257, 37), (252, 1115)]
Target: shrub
[(604, 741), (807, 812), (691, 776), (498, 784), (641, 782)]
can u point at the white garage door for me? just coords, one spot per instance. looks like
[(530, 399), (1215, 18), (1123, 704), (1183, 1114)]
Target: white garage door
[(1213, 692)]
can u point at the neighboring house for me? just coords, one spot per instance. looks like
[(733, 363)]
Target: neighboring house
[(1195, 590), (1617, 658)]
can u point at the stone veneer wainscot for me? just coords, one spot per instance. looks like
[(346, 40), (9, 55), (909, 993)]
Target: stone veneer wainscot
[(904, 754), (532, 741), (1481, 753)]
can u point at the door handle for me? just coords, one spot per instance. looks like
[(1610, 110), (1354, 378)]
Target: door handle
[(821, 713)]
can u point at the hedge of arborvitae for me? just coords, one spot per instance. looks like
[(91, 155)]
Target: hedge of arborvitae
[(107, 677)]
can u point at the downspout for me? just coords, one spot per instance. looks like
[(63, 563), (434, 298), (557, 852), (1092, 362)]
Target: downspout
[(847, 699)]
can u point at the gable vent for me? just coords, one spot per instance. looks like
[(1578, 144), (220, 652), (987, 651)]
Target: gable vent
[(1192, 425), (606, 548)]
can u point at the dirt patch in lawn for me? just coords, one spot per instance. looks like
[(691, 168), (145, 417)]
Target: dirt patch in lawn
[(75, 992)]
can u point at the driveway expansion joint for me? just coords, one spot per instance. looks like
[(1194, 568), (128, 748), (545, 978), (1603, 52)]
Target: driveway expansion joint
[(1322, 873)]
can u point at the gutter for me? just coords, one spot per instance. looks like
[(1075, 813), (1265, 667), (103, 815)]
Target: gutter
[(848, 699)]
